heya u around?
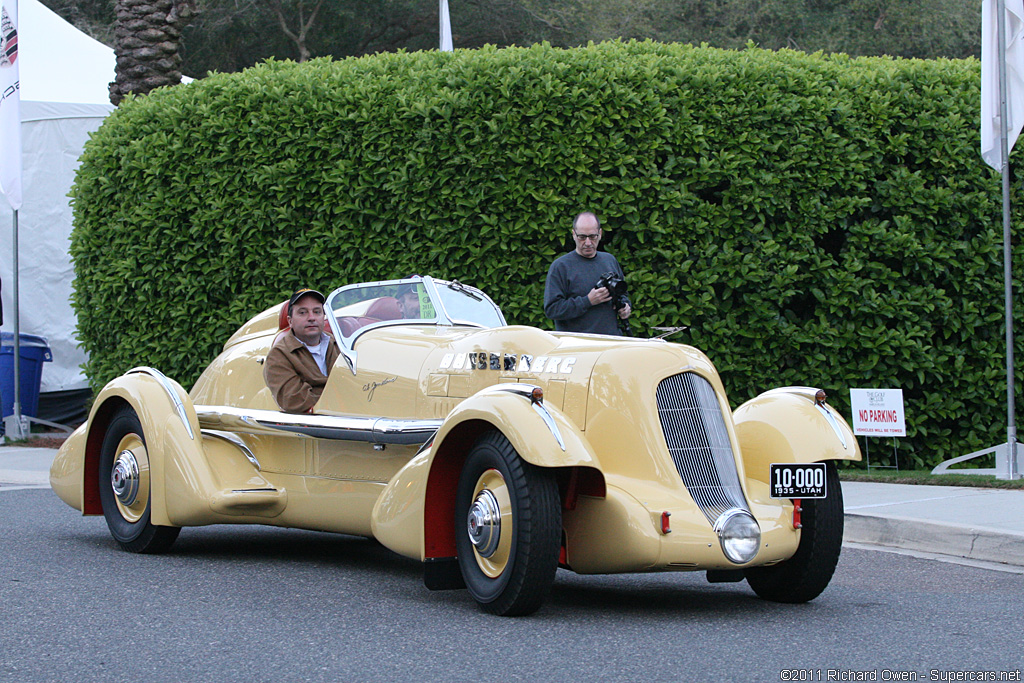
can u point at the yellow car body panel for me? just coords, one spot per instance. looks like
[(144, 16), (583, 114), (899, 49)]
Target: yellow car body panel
[(170, 432), (398, 517), (787, 425)]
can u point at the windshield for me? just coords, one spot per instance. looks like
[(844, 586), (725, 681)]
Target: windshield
[(418, 300), (468, 305)]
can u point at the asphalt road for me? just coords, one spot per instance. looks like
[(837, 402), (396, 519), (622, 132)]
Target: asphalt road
[(262, 604)]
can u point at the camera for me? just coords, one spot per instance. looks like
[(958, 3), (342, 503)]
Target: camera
[(616, 286)]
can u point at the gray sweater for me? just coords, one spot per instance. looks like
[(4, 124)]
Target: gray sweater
[(570, 279)]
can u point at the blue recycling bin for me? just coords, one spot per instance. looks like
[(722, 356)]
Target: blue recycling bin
[(34, 352)]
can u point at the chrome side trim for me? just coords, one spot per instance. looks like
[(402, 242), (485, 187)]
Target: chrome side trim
[(169, 388), (550, 422), (407, 432), (832, 421), (376, 430), (526, 391), (234, 440)]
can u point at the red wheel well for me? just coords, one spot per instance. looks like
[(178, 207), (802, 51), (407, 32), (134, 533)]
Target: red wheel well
[(439, 503), (91, 504)]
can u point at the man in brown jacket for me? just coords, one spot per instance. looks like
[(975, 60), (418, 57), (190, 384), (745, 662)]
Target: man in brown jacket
[(300, 359)]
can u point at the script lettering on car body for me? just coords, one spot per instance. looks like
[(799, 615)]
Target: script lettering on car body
[(371, 387), (508, 362)]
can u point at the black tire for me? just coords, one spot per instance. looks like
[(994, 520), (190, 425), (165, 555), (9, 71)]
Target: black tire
[(805, 575), (128, 521), (515, 577)]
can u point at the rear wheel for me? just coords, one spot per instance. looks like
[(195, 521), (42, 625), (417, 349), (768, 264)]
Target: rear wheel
[(805, 575), (125, 484), (508, 526)]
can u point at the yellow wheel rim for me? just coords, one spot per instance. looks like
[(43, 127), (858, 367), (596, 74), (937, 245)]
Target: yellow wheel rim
[(490, 524), (129, 477)]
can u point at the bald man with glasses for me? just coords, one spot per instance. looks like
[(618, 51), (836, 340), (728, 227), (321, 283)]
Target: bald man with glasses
[(571, 297)]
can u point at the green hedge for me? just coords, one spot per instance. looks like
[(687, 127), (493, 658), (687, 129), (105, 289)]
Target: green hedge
[(814, 219)]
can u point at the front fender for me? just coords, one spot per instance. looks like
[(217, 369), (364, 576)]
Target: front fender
[(414, 516), (169, 425), (788, 425), (506, 407)]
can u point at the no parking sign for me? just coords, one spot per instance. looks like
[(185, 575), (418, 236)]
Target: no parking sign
[(878, 412)]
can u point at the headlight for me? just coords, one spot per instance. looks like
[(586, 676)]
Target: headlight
[(739, 535)]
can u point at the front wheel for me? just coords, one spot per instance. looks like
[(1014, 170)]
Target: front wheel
[(124, 482), (805, 575), (508, 528)]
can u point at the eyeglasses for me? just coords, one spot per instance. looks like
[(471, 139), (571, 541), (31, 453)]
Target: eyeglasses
[(583, 238)]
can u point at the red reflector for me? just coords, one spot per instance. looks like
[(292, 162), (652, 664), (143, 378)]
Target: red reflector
[(797, 509), (664, 523)]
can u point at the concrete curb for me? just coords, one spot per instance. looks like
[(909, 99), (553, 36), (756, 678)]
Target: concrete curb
[(959, 540), (26, 466), (23, 478)]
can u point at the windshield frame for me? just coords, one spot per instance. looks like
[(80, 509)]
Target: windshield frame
[(437, 296)]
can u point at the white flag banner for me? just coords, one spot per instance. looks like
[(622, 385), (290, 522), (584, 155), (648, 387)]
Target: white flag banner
[(446, 27), (1014, 56), (10, 105)]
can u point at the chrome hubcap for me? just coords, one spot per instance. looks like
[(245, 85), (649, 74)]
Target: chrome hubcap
[(484, 523), (124, 478)]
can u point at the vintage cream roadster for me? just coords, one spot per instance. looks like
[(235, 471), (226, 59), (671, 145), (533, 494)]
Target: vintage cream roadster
[(494, 454)]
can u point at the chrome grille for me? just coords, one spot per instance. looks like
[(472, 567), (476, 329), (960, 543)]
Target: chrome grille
[(698, 442)]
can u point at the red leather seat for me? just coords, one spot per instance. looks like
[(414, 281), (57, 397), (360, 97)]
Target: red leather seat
[(350, 324), (384, 308), (282, 317), (282, 323)]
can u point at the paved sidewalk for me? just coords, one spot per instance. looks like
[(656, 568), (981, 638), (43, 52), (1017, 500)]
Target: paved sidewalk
[(979, 524), (25, 466), (983, 525)]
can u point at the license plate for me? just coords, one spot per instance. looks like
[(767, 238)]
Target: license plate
[(792, 480)]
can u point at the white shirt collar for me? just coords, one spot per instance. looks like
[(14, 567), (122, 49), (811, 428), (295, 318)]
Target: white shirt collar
[(319, 352)]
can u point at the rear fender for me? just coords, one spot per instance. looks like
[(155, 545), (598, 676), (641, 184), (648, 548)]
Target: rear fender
[(415, 515), (171, 431), (789, 425)]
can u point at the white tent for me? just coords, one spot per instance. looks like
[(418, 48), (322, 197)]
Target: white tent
[(64, 77)]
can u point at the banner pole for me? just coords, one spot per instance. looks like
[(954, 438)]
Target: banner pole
[(14, 427), (1011, 421)]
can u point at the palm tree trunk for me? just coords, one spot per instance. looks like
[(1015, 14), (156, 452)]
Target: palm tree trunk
[(147, 35)]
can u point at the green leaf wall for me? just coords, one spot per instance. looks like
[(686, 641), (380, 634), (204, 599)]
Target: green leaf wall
[(814, 219)]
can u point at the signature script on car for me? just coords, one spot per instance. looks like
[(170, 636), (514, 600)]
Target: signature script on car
[(371, 387)]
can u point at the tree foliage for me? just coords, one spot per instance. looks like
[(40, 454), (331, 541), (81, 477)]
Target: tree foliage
[(922, 28), (95, 18), (230, 35)]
